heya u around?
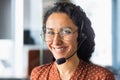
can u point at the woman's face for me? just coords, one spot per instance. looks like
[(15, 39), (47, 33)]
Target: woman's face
[(61, 35)]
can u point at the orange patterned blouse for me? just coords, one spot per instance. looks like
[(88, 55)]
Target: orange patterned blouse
[(84, 71)]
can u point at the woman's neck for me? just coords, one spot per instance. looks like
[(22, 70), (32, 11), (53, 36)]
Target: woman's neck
[(69, 66)]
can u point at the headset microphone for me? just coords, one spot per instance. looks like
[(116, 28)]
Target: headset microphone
[(61, 61)]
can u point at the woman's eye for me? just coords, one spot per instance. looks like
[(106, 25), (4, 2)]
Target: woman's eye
[(66, 31), (50, 32)]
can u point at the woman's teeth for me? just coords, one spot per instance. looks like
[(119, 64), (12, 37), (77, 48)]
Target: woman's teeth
[(59, 48)]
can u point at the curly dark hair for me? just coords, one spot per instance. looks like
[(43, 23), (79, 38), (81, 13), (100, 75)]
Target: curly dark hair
[(80, 19)]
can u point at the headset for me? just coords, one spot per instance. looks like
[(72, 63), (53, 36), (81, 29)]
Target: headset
[(82, 37)]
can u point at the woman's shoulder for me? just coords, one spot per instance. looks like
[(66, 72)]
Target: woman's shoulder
[(40, 70), (42, 67), (99, 71), (98, 68), (95, 72)]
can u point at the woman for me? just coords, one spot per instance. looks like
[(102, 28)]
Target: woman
[(70, 37)]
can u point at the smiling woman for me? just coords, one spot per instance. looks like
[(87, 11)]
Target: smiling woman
[(70, 38), (61, 45)]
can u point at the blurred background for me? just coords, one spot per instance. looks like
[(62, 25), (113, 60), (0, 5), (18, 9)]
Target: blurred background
[(21, 47)]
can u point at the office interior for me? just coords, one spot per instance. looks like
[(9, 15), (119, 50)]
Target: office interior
[(22, 48)]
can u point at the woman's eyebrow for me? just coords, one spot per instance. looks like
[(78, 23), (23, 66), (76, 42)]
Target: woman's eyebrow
[(60, 28), (49, 28), (67, 27)]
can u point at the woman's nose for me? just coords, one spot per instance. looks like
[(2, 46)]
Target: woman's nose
[(57, 40)]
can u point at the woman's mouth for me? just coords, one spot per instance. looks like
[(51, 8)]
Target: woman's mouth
[(59, 50)]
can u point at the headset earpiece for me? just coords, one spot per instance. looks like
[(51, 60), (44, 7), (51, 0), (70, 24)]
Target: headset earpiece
[(82, 37)]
